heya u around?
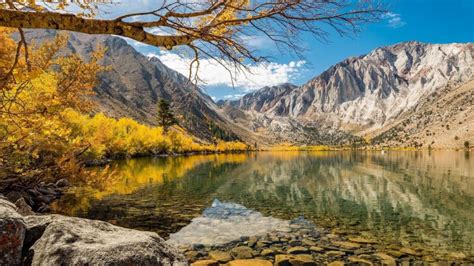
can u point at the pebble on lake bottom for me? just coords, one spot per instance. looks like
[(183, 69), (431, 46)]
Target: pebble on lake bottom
[(316, 246)]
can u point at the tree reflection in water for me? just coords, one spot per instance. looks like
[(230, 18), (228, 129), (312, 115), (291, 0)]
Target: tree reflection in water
[(424, 198)]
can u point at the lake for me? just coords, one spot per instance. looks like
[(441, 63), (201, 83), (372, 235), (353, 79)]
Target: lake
[(423, 199)]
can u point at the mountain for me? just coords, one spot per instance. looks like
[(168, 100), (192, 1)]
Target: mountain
[(135, 83), (362, 96), (445, 119), (262, 99), (410, 93)]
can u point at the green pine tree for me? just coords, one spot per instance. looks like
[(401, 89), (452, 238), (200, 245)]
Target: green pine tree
[(166, 118)]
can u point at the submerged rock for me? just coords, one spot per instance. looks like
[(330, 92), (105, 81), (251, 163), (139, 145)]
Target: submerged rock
[(386, 259), (242, 252), (61, 240), (410, 251), (267, 252), (220, 256), (457, 255), (362, 240), (336, 263), (359, 261), (298, 250), (298, 260), (205, 263), (282, 259), (249, 262), (302, 260), (346, 244)]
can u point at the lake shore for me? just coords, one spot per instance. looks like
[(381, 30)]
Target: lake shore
[(27, 236), (305, 242)]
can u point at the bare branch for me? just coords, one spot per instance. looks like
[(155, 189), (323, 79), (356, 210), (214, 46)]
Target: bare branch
[(213, 29)]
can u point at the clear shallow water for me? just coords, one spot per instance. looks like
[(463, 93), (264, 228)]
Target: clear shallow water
[(418, 198)]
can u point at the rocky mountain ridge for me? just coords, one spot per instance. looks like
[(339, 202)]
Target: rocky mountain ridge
[(135, 83), (357, 99), (358, 96)]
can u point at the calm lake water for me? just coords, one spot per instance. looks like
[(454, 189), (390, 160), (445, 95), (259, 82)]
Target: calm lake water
[(419, 198)]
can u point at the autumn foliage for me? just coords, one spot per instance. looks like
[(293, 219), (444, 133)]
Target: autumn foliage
[(125, 137), (46, 130)]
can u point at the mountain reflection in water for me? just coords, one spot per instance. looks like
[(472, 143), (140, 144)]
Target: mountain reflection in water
[(226, 222), (421, 198)]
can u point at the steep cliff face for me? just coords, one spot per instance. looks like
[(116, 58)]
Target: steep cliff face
[(263, 99), (135, 83), (360, 95), (374, 89)]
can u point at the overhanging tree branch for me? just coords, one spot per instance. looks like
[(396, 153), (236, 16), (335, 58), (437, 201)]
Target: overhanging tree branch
[(70, 22), (215, 29)]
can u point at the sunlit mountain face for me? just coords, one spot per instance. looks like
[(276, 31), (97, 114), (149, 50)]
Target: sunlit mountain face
[(420, 198), (410, 87)]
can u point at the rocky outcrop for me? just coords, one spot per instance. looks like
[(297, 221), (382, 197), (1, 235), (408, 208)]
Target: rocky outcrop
[(34, 196), (262, 99), (12, 234), (61, 240), (358, 95)]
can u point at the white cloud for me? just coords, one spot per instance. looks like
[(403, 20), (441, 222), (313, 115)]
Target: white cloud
[(233, 96), (394, 20), (214, 74), (257, 42)]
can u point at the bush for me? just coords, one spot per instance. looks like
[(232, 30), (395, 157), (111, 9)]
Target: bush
[(109, 138)]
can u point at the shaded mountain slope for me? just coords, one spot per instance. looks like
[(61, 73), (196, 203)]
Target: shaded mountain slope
[(135, 83)]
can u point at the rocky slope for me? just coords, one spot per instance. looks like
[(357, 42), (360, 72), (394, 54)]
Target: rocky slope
[(359, 96), (445, 119), (134, 84)]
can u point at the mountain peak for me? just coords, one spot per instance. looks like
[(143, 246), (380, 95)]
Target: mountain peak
[(363, 93)]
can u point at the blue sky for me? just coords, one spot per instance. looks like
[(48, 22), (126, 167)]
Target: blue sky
[(432, 21)]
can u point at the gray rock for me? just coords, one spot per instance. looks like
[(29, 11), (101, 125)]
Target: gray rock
[(60, 240), (13, 196), (12, 234), (62, 182), (75, 241), (44, 208), (23, 208)]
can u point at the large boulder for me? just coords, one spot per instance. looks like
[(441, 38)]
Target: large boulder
[(12, 234), (61, 240), (76, 241)]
